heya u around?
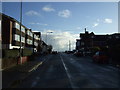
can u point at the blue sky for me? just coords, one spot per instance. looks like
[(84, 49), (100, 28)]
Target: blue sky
[(66, 18)]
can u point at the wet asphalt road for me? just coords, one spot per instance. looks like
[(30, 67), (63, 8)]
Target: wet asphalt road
[(67, 71)]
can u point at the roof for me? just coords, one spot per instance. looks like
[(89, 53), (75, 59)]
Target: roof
[(12, 19)]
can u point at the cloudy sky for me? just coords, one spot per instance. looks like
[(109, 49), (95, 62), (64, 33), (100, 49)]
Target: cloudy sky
[(65, 19)]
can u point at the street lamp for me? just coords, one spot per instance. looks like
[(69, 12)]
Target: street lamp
[(20, 32)]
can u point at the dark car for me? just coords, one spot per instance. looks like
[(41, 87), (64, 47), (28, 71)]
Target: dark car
[(69, 52), (54, 52), (100, 57), (78, 53)]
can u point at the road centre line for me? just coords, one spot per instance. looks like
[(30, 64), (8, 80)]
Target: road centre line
[(69, 76)]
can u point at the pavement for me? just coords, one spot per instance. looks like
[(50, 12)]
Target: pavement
[(14, 75)]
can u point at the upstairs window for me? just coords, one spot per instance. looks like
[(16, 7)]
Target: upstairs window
[(22, 29), (29, 33), (36, 37), (17, 26)]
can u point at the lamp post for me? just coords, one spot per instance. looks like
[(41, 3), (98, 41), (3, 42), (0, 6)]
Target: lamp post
[(20, 32), (69, 45)]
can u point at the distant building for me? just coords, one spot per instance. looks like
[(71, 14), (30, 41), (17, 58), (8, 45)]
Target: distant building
[(44, 47), (90, 40), (113, 40), (37, 41), (77, 44)]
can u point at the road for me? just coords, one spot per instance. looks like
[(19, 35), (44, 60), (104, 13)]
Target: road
[(68, 71)]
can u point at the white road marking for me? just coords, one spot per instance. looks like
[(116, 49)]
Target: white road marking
[(37, 78), (69, 76), (113, 68)]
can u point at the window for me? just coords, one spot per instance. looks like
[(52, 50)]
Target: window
[(34, 36), (37, 37), (23, 39), (35, 43), (29, 33), (29, 41), (17, 26), (22, 29), (17, 37)]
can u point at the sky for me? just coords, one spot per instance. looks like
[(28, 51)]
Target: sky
[(66, 20)]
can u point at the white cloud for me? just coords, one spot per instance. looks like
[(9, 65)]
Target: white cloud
[(107, 20), (95, 24), (32, 13), (65, 13), (60, 40), (48, 8), (37, 23), (78, 28)]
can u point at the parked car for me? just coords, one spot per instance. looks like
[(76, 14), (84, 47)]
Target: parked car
[(78, 53), (69, 52), (100, 57)]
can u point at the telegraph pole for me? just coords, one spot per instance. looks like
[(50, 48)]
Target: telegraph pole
[(69, 46), (20, 32)]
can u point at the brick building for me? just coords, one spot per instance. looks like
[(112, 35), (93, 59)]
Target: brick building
[(77, 44), (37, 44), (11, 35), (90, 40)]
